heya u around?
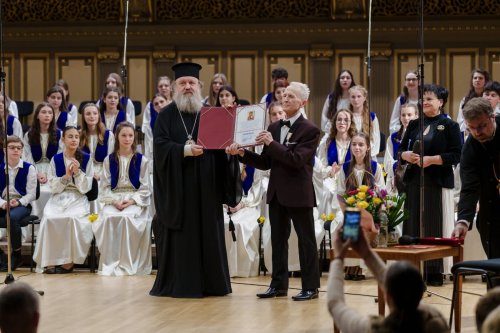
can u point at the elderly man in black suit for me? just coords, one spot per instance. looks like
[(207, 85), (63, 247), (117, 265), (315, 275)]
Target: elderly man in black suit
[(289, 149), (480, 175)]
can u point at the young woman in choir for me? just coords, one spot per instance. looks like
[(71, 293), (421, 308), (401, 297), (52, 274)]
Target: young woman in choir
[(13, 127), (65, 231), (11, 106), (217, 81), (111, 114), (125, 104), (41, 143), (337, 99), (409, 96), (279, 87), (407, 114), (365, 120), (479, 78), (95, 138), (149, 120), (227, 97), (72, 109), (55, 97), (123, 229), (361, 170), (334, 151)]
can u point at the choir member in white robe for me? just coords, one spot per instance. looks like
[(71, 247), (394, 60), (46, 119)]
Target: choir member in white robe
[(408, 112), (148, 122), (55, 97), (65, 230), (125, 104), (362, 170), (111, 113), (365, 120), (13, 127), (41, 143), (72, 109), (123, 229)]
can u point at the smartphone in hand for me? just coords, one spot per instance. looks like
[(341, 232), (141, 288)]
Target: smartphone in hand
[(352, 219)]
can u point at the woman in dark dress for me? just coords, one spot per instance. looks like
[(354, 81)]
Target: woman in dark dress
[(442, 147)]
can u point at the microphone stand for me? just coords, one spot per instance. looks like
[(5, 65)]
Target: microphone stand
[(9, 278), (421, 115), (123, 68), (369, 70)]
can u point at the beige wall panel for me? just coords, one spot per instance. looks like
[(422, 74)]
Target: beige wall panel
[(353, 61), (295, 63), (242, 76), (407, 60), (460, 64), (493, 63), (210, 63), (78, 72), (139, 88), (35, 79), (10, 76)]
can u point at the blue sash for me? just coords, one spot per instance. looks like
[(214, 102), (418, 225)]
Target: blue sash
[(101, 150), (21, 178), (61, 167), (247, 182), (36, 150), (395, 145), (373, 165), (153, 114), (333, 154), (134, 170), (373, 115), (61, 121), (269, 99), (120, 118), (10, 125)]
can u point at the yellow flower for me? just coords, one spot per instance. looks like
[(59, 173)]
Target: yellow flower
[(363, 188), (331, 216), (350, 200), (261, 219), (377, 201), (93, 217), (362, 204), (323, 217), (361, 195)]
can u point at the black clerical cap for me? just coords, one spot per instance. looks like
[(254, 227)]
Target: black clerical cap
[(186, 69)]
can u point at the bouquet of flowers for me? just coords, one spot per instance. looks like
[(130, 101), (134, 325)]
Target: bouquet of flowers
[(367, 198), (396, 214)]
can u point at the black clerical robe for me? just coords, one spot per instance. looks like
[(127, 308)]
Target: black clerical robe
[(189, 193)]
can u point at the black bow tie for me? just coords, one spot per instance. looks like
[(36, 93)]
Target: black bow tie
[(285, 123)]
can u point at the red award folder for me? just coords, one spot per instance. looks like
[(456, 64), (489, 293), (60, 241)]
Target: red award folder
[(220, 126), (216, 129)]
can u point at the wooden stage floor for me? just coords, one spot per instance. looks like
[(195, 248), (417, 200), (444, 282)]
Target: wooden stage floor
[(85, 302)]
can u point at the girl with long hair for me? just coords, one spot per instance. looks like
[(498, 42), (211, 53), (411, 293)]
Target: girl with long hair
[(72, 109), (409, 96), (479, 78), (65, 232), (337, 99), (365, 121), (158, 102), (125, 104), (123, 230), (55, 97), (111, 113)]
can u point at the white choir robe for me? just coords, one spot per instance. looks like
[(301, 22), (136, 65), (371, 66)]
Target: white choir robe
[(65, 230), (243, 255), (41, 166), (129, 111), (375, 137), (389, 161), (124, 237)]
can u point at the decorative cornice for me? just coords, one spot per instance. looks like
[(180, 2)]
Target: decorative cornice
[(381, 51), (108, 55), (321, 53), (164, 55)]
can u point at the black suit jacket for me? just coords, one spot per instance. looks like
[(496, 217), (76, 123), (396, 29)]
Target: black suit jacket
[(291, 163)]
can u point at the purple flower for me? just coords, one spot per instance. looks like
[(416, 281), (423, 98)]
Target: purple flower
[(383, 193), (353, 192), (370, 192)]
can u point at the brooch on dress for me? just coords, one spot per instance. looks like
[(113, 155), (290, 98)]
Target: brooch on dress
[(440, 127)]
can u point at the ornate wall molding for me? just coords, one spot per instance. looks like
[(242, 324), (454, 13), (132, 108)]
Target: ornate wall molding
[(164, 55), (108, 55), (321, 51)]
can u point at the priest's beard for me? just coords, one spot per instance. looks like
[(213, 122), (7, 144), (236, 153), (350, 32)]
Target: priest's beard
[(189, 103)]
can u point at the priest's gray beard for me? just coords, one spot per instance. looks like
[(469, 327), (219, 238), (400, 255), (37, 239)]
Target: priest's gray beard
[(189, 103)]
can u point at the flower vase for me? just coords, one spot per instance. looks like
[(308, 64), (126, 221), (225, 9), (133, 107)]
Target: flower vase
[(393, 237)]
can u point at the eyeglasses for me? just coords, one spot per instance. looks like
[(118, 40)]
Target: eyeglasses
[(15, 147), (411, 79)]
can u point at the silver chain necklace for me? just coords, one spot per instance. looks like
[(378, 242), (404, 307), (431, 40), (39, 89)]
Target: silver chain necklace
[(190, 140)]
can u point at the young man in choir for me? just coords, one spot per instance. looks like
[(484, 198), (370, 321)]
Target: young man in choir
[(22, 191), (289, 150), (189, 193)]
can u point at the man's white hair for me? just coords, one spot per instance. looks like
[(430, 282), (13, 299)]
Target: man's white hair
[(302, 90)]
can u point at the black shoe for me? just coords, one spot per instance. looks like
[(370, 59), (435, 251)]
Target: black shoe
[(62, 270), (273, 292), (16, 261), (358, 277), (50, 270), (306, 295)]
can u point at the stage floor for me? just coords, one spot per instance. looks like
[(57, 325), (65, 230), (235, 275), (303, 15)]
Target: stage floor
[(85, 302)]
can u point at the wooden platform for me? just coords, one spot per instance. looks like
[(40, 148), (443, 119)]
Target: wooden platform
[(84, 302)]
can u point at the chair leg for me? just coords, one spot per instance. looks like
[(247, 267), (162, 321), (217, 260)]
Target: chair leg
[(32, 262), (453, 296)]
